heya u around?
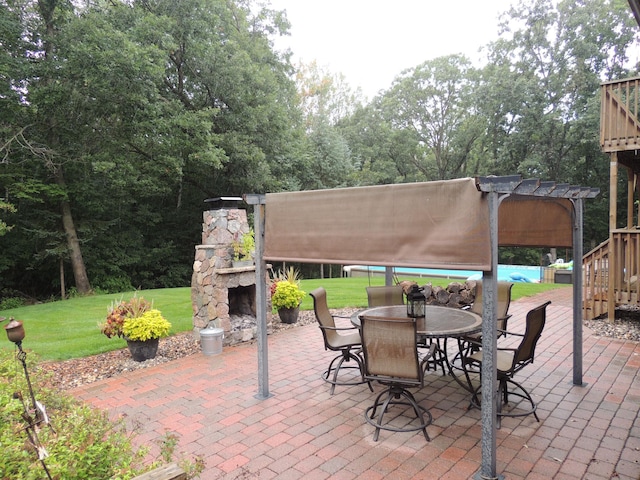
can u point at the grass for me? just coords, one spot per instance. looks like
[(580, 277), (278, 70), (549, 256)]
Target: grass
[(69, 329), (350, 292)]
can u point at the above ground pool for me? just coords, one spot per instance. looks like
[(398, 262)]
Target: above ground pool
[(508, 273)]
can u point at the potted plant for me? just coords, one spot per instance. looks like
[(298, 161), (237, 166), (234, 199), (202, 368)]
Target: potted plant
[(139, 324), (244, 249), (286, 295)]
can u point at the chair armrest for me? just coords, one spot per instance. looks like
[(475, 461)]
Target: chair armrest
[(507, 332), (425, 357), (337, 328), (506, 349), (472, 340)]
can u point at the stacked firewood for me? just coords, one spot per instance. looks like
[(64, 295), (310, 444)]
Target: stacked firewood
[(456, 294)]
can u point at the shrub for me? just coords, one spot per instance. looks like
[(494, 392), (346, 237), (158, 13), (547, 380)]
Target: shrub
[(286, 295), (245, 248), (149, 325), (12, 302), (113, 325), (86, 444)]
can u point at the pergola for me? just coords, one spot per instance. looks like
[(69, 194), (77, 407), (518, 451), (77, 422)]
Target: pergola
[(453, 224)]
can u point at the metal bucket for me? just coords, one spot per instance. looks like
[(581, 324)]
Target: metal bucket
[(211, 340)]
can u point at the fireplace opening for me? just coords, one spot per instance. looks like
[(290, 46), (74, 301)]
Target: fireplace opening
[(242, 300)]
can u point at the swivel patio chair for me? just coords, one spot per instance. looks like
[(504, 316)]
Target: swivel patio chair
[(391, 358), (510, 361), (381, 296), (348, 344), (504, 301), (470, 343)]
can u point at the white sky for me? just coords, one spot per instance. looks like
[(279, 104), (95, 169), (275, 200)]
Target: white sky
[(371, 41)]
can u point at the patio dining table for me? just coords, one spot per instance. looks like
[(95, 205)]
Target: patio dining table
[(438, 323)]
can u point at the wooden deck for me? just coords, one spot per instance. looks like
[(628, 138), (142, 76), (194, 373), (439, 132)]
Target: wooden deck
[(619, 125), (611, 270)]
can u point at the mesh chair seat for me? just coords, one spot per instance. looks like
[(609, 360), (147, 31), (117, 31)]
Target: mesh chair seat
[(391, 358), (347, 340), (509, 361), (349, 344)]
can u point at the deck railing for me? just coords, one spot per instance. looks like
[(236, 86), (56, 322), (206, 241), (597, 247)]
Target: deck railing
[(619, 114), (595, 271), (624, 249)]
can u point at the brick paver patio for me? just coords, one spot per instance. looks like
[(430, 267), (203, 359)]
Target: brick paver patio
[(590, 431)]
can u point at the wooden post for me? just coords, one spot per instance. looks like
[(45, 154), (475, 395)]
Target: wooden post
[(167, 472), (630, 188), (613, 214)]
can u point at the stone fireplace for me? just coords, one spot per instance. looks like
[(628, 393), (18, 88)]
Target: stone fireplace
[(222, 295)]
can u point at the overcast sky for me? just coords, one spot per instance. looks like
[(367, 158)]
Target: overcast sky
[(372, 41)]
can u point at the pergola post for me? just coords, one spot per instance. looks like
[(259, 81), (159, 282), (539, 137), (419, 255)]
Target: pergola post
[(489, 371), (578, 205), (388, 276), (258, 202)]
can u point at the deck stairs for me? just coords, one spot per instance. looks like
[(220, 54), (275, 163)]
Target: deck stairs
[(611, 270)]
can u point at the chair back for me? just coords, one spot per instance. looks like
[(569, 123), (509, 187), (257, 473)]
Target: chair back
[(504, 300), (381, 296), (390, 350), (536, 318), (324, 317)]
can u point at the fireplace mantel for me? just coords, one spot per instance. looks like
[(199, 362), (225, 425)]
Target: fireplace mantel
[(231, 270)]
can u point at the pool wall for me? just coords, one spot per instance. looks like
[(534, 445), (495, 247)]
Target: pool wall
[(505, 273)]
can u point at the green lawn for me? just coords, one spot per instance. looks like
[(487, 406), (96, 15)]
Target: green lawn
[(69, 328)]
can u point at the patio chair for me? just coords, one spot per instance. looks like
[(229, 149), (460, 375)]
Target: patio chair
[(469, 343), (391, 358), (504, 301), (348, 344), (510, 361), (381, 296)]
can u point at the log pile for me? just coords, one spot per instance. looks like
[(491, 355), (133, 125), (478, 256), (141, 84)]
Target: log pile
[(455, 295)]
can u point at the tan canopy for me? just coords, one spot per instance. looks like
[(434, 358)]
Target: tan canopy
[(455, 224), (425, 225)]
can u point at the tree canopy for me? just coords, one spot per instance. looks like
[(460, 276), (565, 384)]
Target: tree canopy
[(119, 118)]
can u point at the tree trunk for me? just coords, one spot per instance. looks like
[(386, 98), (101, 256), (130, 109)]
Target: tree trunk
[(63, 293), (73, 243)]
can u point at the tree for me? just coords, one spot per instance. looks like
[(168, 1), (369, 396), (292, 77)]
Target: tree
[(380, 152), (7, 207), (540, 91), (130, 115), (325, 99), (434, 103)]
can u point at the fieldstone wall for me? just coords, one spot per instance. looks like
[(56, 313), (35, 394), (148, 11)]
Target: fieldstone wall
[(221, 295)]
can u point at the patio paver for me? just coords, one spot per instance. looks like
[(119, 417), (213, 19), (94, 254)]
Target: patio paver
[(590, 431)]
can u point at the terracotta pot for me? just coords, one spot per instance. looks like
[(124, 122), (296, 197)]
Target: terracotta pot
[(141, 351), (289, 315)]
